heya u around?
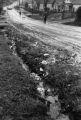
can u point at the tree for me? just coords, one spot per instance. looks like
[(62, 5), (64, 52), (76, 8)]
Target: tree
[(78, 14), (45, 10), (45, 4), (63, 9), (38, 4), (26, 5), (53, 3), (1, 4), (66, 85)]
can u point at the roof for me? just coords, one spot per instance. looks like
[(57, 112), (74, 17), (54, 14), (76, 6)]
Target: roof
[(42, 1), (75, 2)]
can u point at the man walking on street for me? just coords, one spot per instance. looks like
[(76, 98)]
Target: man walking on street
[(45, 17), (20, 13)]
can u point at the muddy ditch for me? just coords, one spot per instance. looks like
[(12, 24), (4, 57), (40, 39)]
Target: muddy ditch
[(54, 69)]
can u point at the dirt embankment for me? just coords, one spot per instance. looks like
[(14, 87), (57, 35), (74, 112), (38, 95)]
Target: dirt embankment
[(17, 89), (56, 67)]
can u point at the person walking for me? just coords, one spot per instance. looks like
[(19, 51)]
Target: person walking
[(20, 13), (45, 17)]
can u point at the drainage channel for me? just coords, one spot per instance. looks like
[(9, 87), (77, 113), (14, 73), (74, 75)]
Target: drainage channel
[(26, 50), (28, 63)]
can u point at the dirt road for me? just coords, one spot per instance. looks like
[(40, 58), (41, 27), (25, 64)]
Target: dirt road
[(56, 34)]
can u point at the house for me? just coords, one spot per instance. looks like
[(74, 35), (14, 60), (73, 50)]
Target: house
[(32, 4), (69, 5), (57, 5), (49, 5), (76, 4)]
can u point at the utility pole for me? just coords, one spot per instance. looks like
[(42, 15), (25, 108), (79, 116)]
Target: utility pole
[(1, 6), (32, 7), (45, 10), (19, 3), (63, 9), (19, 8), (22, 2)]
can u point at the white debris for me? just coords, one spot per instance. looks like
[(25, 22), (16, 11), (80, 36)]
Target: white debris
[(48, 90), (10, 47), (62, 55), (44, 62), (52, 99), (24, 67), (41, 84), (46, 54), (53, 60), (41, 89), (41, 69), (35, 44), (78, 58), (69, 85), (46, 73), (35, 76)]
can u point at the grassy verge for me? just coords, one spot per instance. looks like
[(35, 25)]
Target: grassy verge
[(57, 67), (52, 16), (16, 88)]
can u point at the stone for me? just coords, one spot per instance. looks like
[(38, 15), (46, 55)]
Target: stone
[(44, 62), (41, 69), (63, 117), (54, 110), (46, 54)]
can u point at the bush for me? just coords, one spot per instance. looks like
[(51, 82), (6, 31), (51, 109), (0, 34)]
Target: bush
[(78, 14), (66, 85), (0, 9)]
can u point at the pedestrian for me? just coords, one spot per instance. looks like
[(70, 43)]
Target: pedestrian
[(20, 12), (45, 17)]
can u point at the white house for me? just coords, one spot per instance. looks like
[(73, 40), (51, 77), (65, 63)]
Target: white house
[(57, 5), (76, 4)]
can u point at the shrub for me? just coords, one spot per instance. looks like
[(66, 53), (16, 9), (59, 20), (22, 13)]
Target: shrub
[(78, 14), (66, 85)]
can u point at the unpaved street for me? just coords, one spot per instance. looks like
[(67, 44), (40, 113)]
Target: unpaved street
[(56, 34)]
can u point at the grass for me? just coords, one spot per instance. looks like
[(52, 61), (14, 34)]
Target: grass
[(52, 16), (63, 72), (74, 23), (16, 88)]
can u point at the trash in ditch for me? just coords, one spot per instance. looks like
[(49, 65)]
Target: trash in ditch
[(41, 69), (46, 54), (44, 62), (35, 76)]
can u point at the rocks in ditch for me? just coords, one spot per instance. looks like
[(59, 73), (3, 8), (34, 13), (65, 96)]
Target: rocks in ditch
[(63, 117), (35, 76), (46, 54), (44, 62), (41, 70)]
